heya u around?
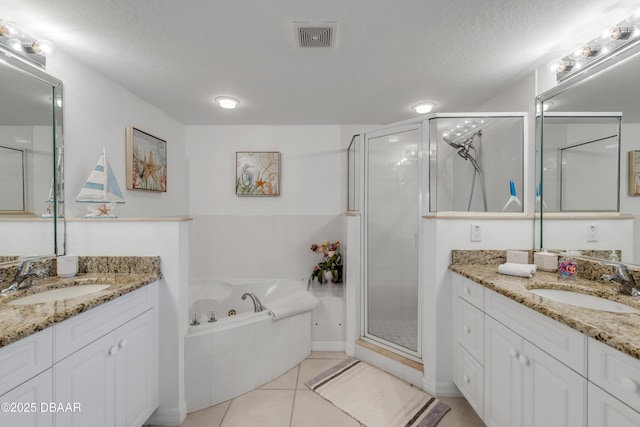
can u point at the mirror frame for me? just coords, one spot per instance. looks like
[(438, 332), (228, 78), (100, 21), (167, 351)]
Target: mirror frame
[(15, 62)]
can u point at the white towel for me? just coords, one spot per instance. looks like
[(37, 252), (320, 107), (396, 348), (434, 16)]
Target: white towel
[(294, 303), (521, 270)]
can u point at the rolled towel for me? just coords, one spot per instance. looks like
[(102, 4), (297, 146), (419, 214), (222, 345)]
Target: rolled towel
[(521, 270), (294, 303)]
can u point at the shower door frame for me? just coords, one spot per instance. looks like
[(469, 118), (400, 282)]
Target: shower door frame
[(423, 185)]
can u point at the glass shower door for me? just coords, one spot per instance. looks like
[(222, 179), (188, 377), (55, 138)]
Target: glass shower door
[(391, 239)]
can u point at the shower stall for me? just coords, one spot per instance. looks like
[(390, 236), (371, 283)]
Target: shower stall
[(414, 170)]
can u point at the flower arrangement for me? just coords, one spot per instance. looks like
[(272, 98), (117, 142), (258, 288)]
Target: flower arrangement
[(330, 268)]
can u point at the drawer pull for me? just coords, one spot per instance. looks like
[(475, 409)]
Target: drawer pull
[(123, 343), (113, 350), (629, 384), (523, 360), (514, 353), (467, 291), (467, 329), (466, 379)]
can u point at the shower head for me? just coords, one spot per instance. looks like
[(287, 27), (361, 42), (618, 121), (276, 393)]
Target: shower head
[(453, 144)]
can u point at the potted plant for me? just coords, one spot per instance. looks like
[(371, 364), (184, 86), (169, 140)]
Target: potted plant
[(329, 270)]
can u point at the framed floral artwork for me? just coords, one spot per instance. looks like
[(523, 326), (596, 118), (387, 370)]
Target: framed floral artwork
[(146, 161), (257, 173)]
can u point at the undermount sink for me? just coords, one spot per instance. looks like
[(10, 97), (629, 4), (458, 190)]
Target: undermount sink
[(584, 300), (59, 294)]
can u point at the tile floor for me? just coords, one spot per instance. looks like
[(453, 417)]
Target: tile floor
[(286, 402)]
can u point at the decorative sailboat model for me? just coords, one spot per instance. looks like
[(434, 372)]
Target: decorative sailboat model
[(102, 189)]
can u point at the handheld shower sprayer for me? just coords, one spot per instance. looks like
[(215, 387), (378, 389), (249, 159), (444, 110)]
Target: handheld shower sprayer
[(463, 149)]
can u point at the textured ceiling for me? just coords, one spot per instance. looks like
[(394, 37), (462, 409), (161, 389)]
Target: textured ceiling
[(179, 55)]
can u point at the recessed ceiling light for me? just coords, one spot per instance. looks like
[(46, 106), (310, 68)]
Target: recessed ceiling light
[(227, 102), (423, 107)]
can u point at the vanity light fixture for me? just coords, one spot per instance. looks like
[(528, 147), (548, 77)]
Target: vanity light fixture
[(423, 107), (227, 102), (621, 36), (23, 46)]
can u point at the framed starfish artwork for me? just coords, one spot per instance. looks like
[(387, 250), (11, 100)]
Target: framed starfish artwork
[(146, 161), (257, 173)]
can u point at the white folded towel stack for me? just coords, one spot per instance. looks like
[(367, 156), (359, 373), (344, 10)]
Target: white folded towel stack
[(521, 270), (294, 303)]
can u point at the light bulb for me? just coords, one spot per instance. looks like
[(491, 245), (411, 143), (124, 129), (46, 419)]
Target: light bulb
[(43, 47), (620, 33), (15, 44), (227, 102), (7, 29), (423, 107), (588, 51)]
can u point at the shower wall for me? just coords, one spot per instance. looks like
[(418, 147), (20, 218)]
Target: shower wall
[(499, 152)]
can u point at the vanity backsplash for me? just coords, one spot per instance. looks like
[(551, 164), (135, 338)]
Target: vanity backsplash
[(86, 264), (588, 269)]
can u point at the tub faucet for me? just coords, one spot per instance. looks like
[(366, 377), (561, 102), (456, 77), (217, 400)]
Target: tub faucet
[(24, 276), (257, 305), (624, 278)]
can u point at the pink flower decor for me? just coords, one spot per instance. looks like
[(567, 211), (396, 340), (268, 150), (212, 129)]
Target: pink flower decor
[(331, 261)]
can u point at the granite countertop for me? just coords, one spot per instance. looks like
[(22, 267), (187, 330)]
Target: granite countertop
[(124, 274), (618, 330)]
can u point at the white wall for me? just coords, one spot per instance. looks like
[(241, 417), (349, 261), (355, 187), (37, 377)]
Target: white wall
[(235, 236), (96, 113)]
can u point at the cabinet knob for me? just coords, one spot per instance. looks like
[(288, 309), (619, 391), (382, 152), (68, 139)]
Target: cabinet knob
[(467, 329), (467, 291), (629, 384), (123, 343), (523, 360), (113, 350), (514, 353), (466, 379)]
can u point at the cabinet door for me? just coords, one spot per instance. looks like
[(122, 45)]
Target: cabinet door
[(136, 371), (87, 378), (607, 411), (503, 376), (26, 401), (554, 395)]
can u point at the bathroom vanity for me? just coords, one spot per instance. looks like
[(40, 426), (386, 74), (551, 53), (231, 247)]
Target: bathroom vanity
[(524, 360), (86, 360)]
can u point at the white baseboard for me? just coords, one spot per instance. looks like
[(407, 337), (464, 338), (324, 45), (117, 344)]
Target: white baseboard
[(327, 346), (350, 349), (447, 389), (168, 417)]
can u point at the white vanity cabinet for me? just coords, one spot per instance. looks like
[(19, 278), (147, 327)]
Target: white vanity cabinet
[(527, 387), (468, 323), (518, 378), (112, 380), (26, 400), (98, 368)]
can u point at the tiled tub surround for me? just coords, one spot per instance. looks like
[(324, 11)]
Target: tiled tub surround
[(620, 331), (124, 274), (240, 353)]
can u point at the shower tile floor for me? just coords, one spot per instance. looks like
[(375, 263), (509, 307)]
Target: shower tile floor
[(401, 332), (286, 402)]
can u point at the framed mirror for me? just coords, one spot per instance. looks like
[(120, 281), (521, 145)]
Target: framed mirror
[(31, 147), (586, 129)]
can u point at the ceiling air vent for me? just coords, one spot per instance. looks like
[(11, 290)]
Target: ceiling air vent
[(315, 35)]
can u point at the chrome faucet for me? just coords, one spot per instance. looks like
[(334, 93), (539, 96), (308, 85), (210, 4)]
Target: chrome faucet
[(624, 278), (23, 278), (257, 305)]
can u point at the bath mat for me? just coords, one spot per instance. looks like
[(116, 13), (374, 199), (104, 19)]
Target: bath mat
[(376, 398)]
